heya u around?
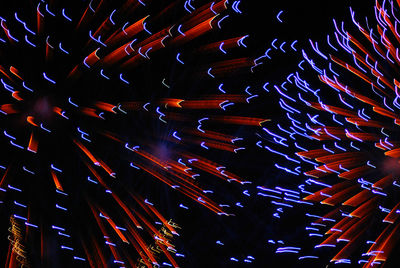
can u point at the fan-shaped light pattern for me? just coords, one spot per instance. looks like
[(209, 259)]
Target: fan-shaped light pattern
[(343, 124), (101, 103)]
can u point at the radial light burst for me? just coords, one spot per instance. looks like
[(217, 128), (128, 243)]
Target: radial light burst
[(342, 108), (101, 103)]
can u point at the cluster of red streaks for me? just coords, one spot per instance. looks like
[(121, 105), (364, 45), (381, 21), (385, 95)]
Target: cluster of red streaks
[(194, 25), (350, 229), (200, 22), (347, 193), (137, 238), (364, 202)]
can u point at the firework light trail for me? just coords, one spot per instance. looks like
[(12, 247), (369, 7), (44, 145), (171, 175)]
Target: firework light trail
[(100, 100), (342, 108)]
